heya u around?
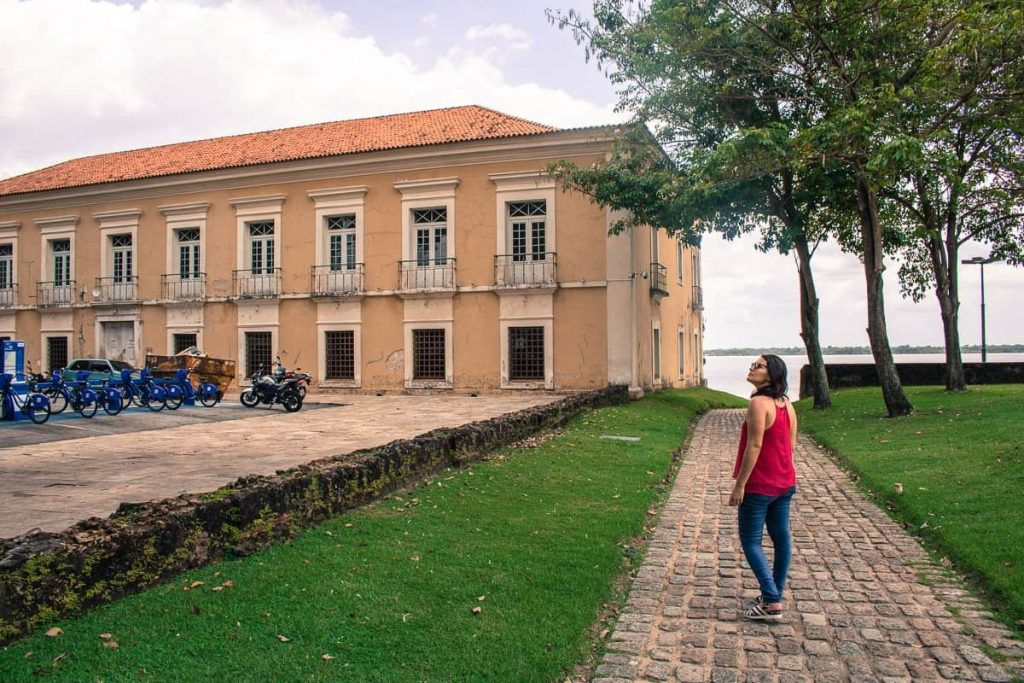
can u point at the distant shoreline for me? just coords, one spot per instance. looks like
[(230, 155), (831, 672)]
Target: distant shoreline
[(855, 350)]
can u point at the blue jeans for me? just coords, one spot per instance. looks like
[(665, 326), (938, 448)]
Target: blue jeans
[(755, 513)]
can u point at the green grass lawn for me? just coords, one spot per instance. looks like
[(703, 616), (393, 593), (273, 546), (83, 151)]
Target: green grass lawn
[(960, 458), (492, 573)]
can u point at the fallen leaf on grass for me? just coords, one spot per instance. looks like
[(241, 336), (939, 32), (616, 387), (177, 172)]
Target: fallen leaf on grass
[(349, 526), (604, 634), (61, 656), (194, 584), (106, 636), (477, 610), (284, 639), (28, 654), (326, 658), (482, 598), (415, 558), (112, 644), (54, 632)]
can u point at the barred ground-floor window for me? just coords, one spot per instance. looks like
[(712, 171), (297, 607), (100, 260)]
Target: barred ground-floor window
[(340, 355), (526, 353), (56, 352), (428, 355), (183, 341), (258, 352)]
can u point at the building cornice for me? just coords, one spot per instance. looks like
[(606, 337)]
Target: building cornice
[(332, 196), (189, 209), (556, 145), (9, 228)]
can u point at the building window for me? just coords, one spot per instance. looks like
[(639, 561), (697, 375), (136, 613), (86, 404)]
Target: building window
[(188, 254), (682, 354), (679, 261), (340, 355), (428, 355), (6, 266), (56, 352), (61, 263), (341, 242), (258, 353), (656, 354), (525, 353), (121, 250), (184, 341), (261, 247), (431, 230), (527, 230), (695, 267)]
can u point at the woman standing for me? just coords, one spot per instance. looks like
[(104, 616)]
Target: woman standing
[(765, 482)]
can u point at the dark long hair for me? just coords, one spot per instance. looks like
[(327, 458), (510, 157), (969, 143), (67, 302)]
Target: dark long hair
[(777, 386)]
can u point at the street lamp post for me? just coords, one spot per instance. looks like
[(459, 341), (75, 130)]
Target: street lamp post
[(979, 261)]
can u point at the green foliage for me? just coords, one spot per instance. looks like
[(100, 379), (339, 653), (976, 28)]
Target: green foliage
[(961, 462), (388, 592)]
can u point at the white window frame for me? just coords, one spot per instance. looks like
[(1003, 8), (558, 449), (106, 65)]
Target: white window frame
[(523, 186), (655, 246), (111, 224), (9, 235), (427, 194), (449, 368), (337, 201), (549, 353), (45, 346), (262, 209), (357, 360), (191, 216), (657, 371), (680, 274), (695, 267), (268, 253), (681, 342), (529, 223), (53, 230)]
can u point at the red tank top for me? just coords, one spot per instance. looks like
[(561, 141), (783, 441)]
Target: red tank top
[(774, 473)]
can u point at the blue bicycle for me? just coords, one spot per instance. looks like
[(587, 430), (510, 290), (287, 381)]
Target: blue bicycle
[(35, 405), (180, 389), (77, 394), (144, 392)]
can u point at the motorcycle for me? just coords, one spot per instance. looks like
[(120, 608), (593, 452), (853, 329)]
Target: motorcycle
[(282, 373), (266, 391)]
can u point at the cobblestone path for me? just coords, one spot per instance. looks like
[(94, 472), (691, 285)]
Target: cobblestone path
[(857, 607)]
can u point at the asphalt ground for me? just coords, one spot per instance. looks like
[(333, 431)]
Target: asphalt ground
[(70, 425)]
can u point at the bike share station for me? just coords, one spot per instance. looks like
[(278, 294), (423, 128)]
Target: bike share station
[(33, 397), (12, 355)]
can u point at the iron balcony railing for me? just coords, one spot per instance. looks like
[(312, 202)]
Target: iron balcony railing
[(257, 284), (332, 280), (8, 295), (525, 270), (659, 280), (178, 288), (697, 298), (115, 289), (423, 274), (55, 293)]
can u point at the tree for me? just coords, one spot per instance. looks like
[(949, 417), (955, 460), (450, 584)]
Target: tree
[(863, 90), (724, 121), (969, 187)]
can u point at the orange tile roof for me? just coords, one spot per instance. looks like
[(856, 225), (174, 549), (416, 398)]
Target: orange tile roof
[(455, 124)]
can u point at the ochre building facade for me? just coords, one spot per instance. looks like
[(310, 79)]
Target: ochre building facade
[(425, 251)]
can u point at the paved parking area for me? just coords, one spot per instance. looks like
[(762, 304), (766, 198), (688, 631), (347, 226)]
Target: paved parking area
[(91, 470)]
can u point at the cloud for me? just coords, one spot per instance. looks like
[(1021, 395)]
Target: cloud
[(89, 77), (517, 39)]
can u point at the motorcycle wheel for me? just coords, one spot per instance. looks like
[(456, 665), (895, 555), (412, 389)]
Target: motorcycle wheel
[(302, 392), (58, 400), (291, 401), (174, 397), (249, 398), (208, 395), (37, 407)]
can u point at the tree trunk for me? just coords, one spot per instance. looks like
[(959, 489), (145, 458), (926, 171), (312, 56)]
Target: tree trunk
[(809, 325), (871, 241), (944, 268)]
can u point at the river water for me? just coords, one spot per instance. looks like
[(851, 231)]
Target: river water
[(729, 373)]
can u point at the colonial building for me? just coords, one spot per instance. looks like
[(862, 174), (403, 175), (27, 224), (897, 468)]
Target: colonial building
[(415, 251)]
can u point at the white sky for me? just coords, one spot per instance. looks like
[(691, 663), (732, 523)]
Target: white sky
[(80, 78)]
